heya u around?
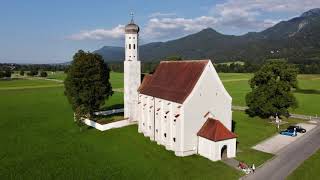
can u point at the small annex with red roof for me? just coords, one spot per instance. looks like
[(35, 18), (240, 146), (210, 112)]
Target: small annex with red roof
[(215, 137), (214, 130)]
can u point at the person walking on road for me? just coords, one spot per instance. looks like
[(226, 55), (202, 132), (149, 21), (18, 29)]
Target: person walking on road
[(253, 168)]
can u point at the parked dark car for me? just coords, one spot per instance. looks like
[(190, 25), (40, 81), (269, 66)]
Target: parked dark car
[(299, 129)]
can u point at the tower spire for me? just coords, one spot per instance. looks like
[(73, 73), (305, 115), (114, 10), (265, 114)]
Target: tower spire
[(132, 15)]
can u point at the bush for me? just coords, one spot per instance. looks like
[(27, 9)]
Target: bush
[(32, 73), (43, 74), (21, 73), (7, 73)]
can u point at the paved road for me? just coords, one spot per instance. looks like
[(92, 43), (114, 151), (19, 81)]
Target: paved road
[(276, 143), (289, 158)]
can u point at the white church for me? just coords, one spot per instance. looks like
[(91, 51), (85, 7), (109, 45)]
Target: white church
[(183, 105)]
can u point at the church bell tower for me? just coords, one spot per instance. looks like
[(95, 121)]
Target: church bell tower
[(132, 70)]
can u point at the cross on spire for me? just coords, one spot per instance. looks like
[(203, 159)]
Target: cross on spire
[(132, 15)]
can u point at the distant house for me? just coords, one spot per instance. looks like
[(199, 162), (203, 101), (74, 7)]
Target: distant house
[(183, 105)]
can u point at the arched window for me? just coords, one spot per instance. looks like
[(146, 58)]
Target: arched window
[(129, 46), (134, 46)]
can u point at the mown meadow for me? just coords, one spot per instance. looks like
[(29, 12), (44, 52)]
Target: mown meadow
[(40, 140)]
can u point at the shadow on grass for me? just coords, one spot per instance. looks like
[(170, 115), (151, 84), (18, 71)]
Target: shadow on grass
[(307, 91), (233, 126), (115, 106), (110, 115)]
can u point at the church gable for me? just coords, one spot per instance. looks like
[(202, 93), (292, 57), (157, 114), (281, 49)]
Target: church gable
[(173, 80)]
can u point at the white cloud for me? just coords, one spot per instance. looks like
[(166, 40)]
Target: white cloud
[(231, 17), (297, 6), (167, 28), (159, 14), (99, 34)]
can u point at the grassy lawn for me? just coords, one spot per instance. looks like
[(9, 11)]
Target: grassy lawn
[(25, 84), (40, 140), (237, 85), (116, 79), (114, 102), (309, 169), (308, 94), (60, 75)]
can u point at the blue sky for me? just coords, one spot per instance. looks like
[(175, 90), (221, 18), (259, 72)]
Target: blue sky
[(36, 31)]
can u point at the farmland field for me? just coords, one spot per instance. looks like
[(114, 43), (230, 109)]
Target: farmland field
[(40, 139), (308, 94)]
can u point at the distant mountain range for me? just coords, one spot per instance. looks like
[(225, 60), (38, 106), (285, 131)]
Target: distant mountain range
[(297, 39)]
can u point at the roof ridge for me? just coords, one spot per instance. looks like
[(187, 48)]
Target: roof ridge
[(173, 80), (184, 61)]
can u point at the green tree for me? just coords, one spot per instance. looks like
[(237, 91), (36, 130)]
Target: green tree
[(174, 58), (43, 74), (32, 73), (272, 90), (7, 73), (22, 73), (87, 84)]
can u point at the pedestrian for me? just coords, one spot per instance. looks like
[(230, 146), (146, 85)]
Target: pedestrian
[(253, 168)]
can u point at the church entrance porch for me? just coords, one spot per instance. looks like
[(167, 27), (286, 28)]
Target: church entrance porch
[(224, 154), (216, 151), (215, 141)]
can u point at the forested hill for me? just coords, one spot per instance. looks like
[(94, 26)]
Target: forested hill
[(297, 39)]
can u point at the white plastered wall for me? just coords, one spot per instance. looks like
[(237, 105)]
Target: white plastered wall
[(158, 121), (212, 150), (132, 76), (208, 95)]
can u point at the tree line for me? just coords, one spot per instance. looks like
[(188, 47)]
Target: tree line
[(246, 67), (307, 67)]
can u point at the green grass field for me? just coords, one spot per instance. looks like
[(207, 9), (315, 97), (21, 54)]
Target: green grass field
[(25, 83), (60, 75), (237, 85), (40, 140), (308, 170), (308, 94)]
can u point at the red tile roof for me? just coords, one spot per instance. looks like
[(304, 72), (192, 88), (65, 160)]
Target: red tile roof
[(145, 81), (214, 130), (173, 80)]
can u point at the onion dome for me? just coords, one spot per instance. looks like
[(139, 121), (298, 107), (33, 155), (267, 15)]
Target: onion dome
[(132, 27)]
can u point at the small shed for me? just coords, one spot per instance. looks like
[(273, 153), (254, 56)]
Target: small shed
[(215, 141)]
